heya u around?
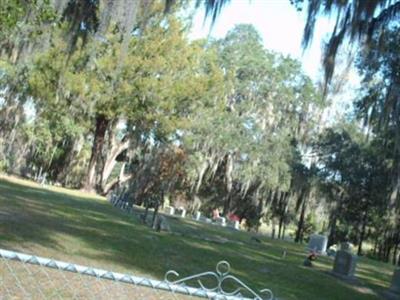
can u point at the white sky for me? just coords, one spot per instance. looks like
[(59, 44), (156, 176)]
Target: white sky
[(279, 24)]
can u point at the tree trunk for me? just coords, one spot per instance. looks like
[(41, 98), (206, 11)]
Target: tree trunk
[(70, 161), (273, 229), (153, 221), (228, 178), (284, 231), (300, 226), (97, 148), (283, 211), (227, 204), (333, 221), (362, 234), (387, 247), (394, 258), (146, 211), (376, 244), (201, 173), (122, 178), (110, 162)]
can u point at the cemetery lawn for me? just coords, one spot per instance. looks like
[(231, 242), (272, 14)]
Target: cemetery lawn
[(85, 229)]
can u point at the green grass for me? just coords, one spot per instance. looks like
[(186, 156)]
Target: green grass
[(85, 229)]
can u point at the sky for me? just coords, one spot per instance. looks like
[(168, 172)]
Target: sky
[(279, 24)]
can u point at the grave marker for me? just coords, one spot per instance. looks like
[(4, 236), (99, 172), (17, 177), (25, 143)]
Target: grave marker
[(345, 264), (220, 221), (197, 216), (182, 212), (318, 243), (236, 225), (171, 210)]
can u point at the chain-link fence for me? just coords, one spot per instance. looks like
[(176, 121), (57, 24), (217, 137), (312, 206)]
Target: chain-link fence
[(24, 276)]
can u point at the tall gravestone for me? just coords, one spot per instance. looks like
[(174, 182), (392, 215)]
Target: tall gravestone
[(318, 243), (345, 263)]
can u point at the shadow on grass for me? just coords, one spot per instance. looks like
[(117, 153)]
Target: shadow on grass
[(90, 231)]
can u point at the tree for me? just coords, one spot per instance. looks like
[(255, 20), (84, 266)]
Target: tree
[(355, 180), (378, 107), (356, 20), (244, 142)]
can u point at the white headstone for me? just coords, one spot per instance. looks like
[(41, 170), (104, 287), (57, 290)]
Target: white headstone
[(318, 243), (236, 225), (183, 212), (171, 210), (197, 216), (221, 221)]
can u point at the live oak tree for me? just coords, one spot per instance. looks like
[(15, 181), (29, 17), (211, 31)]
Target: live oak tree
[(378, 106), (247, 139)]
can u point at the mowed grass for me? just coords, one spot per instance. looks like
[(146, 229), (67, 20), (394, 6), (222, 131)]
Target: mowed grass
[(85, 229)]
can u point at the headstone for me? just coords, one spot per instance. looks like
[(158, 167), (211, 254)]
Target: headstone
[(395, 286), (318, 243), (161, 224), (182, 212), (170, 210), (284, 253), (221, 221), (236, 225), (345, 264), (43, 179), (346, 246), (233, 224), (197, 216)]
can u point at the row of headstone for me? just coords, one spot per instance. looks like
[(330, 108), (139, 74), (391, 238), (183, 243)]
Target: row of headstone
[(181, 212), (172, 211)]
